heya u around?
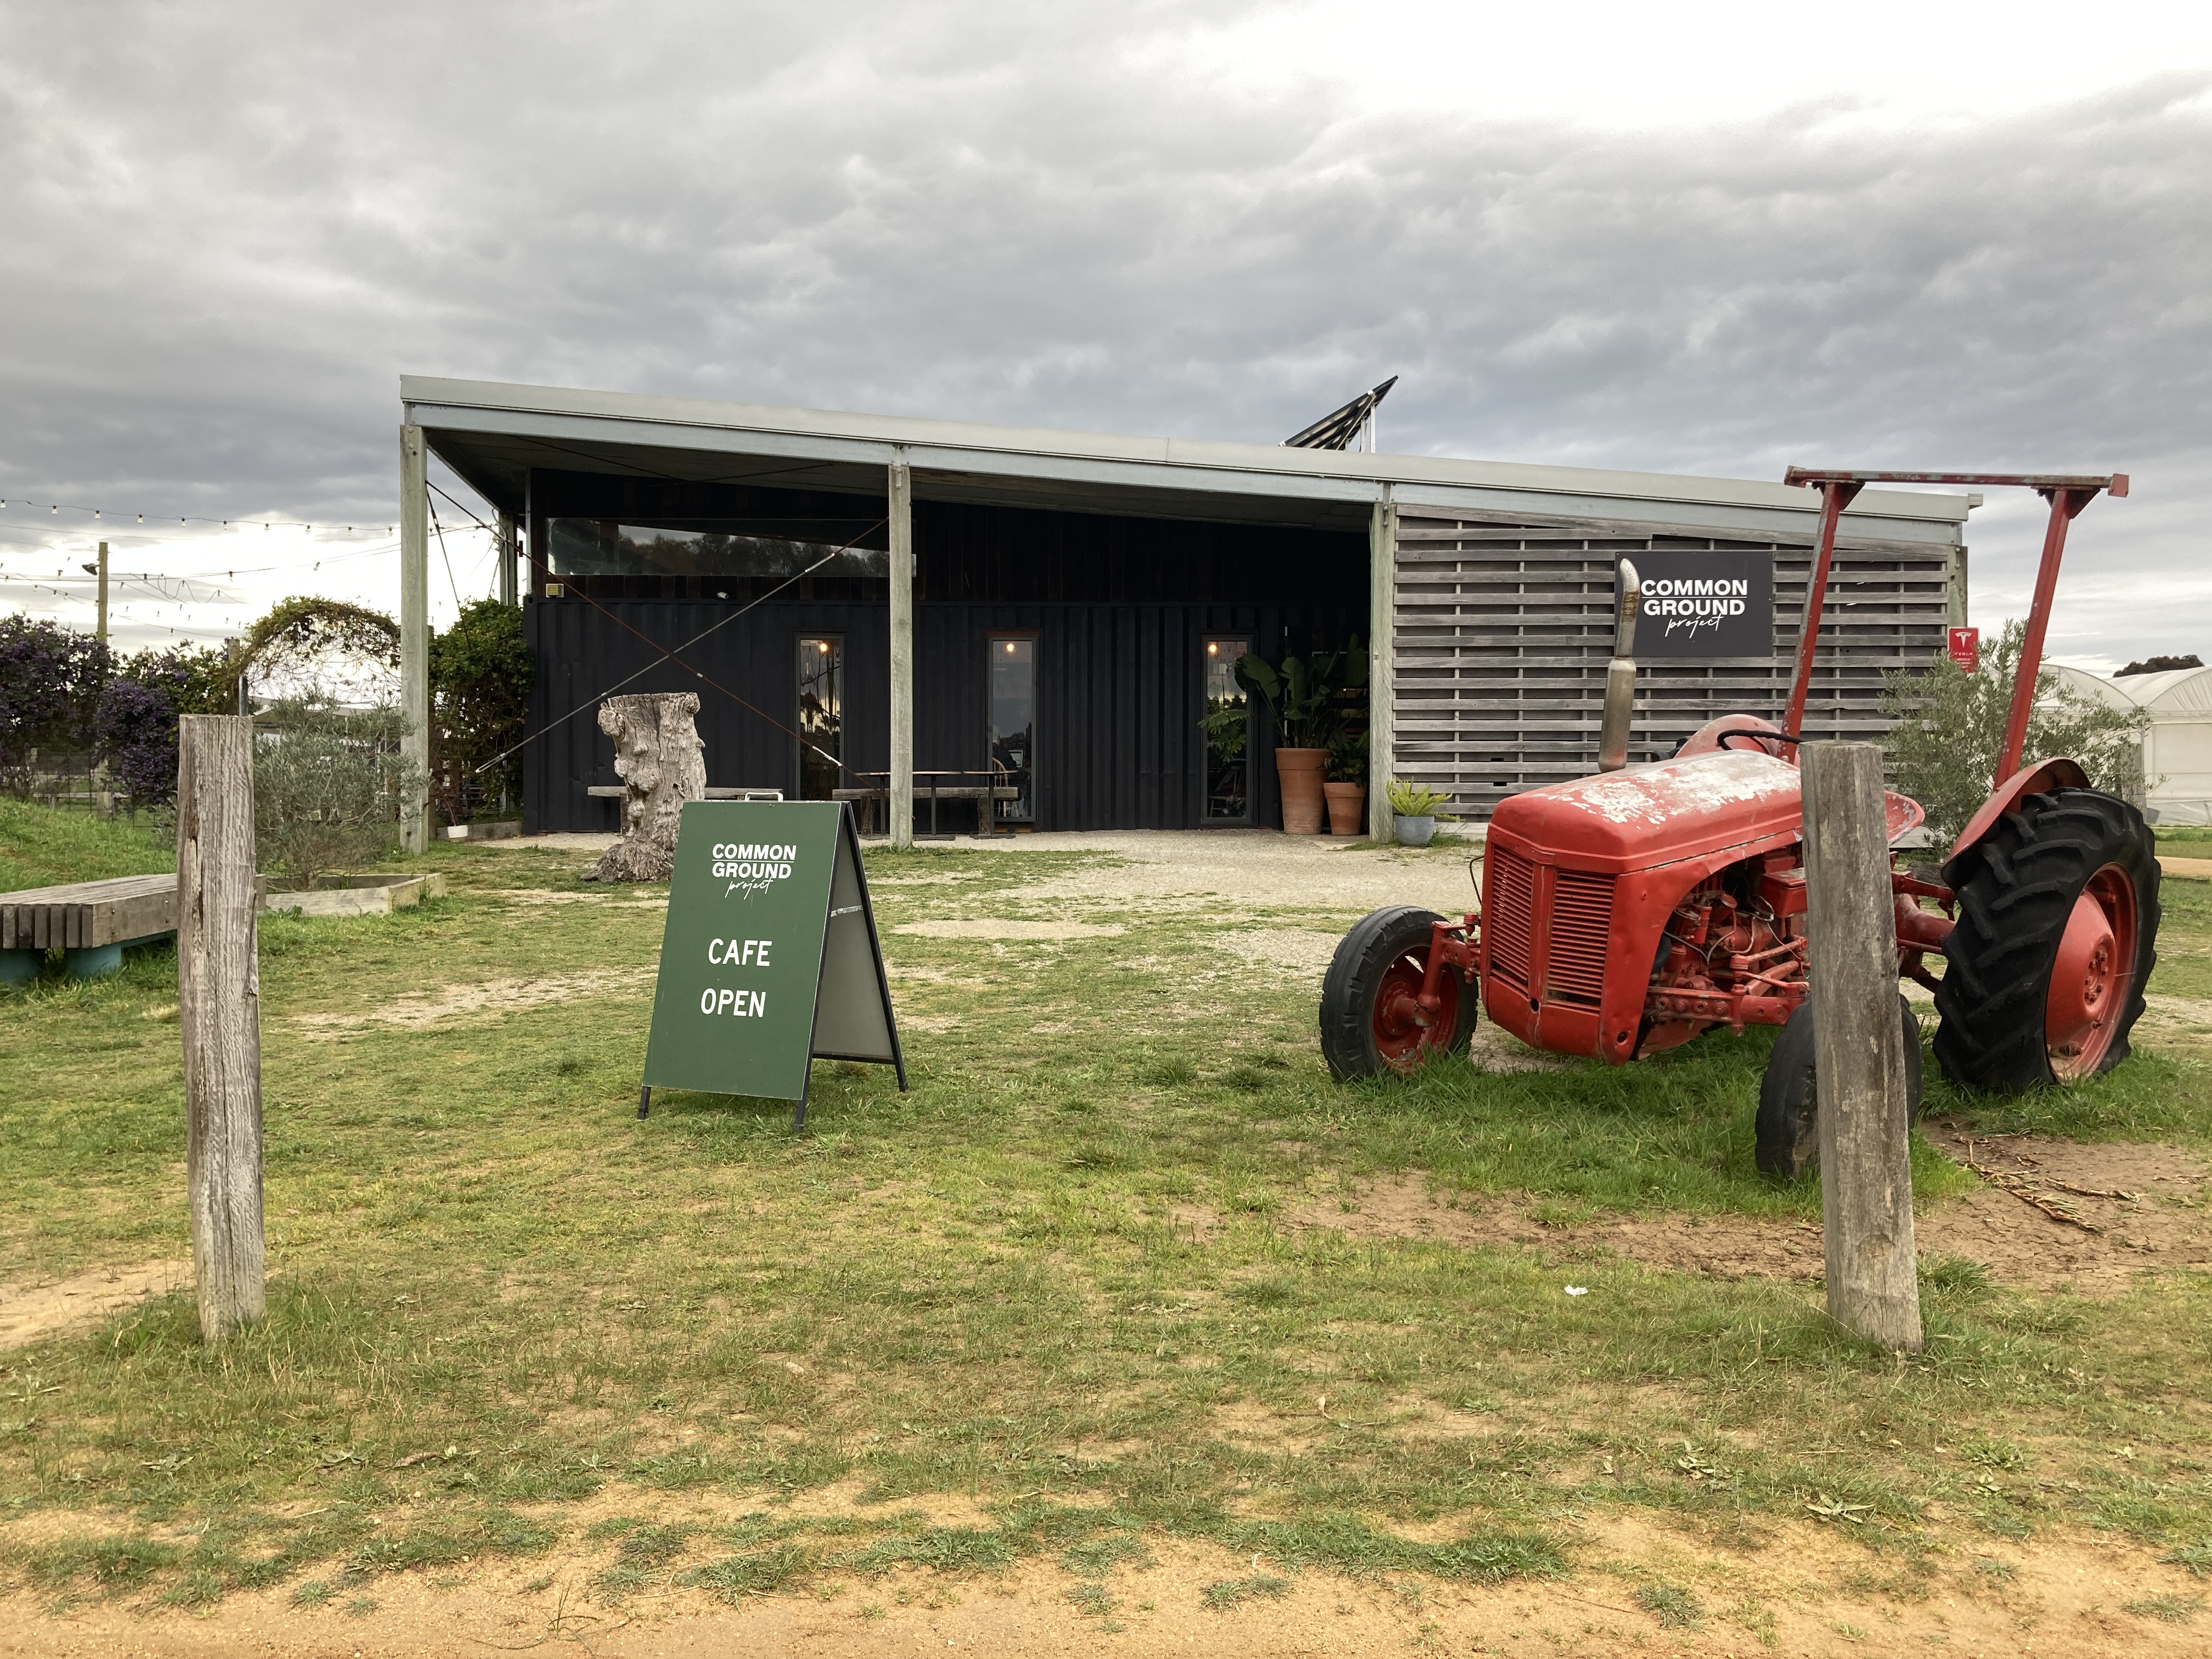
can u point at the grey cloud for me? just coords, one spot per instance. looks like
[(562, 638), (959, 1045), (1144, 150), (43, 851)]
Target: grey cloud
[(229, 236)]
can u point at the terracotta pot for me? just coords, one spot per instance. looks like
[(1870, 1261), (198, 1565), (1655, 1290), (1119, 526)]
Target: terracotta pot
[(1347, 807), (1300, 772)]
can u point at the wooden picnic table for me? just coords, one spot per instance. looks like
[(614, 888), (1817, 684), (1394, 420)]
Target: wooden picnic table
[(872, 795)]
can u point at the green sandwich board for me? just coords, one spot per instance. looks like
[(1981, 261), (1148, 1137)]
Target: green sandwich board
[(770, 958)]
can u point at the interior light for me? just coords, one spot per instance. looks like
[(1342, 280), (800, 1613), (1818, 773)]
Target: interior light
[(822, 646), (1213, 648), (1009, 647)]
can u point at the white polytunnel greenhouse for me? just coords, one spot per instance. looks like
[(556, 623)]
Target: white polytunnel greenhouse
[(2177, 741)]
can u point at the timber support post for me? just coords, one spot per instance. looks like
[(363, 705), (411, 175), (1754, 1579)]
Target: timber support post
[(1382, 664), (509, 585), (219, 1014), (901, 562), (415, 636), (1858, 1049)]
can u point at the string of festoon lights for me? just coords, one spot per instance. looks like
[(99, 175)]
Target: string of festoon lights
[(23, 572), (242, 521)]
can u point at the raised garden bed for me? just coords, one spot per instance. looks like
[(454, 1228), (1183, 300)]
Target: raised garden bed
[(360, 895)]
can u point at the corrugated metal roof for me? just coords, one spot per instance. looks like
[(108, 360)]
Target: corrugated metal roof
[(480, 424)]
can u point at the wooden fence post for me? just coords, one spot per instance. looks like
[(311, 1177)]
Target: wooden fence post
[(1858, 1048), (219, 1009)]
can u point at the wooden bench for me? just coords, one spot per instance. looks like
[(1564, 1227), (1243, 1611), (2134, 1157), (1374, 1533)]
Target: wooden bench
[(90, 921), (715, 791), (866, 801)]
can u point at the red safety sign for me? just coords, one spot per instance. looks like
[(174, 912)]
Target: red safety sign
[(1965, 645)]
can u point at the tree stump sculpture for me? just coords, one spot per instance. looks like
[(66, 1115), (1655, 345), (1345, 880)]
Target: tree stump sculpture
[(662, 764)]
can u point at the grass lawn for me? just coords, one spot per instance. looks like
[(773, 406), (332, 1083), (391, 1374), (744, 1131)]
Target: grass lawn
[(1071, 1277)]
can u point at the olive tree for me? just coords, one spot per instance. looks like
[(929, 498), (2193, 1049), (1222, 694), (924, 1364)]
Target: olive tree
[(328, 782), (1950, 725)]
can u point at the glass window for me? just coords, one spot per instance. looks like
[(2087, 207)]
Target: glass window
[(602, 547), (1228, 721), (821, 721), (1013, 725)]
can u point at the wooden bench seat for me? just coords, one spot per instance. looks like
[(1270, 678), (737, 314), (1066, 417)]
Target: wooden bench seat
[(90, 920), (715, 791)]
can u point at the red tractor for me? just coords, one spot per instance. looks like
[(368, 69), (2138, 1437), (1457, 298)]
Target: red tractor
[(1635, 910)]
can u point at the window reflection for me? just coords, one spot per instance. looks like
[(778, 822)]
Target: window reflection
[(1228, 722), (1013, 725), (821, 721)]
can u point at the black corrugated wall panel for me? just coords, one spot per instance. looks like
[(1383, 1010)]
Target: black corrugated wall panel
[(1119, 697)]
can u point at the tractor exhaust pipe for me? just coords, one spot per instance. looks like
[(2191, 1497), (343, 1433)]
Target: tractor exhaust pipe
[(1620, 677)]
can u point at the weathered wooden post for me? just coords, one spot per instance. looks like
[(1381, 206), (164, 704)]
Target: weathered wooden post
[(1858, 1048), (219, 1010)]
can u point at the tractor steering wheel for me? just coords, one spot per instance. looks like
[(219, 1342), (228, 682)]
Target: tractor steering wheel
[(1762, 739)]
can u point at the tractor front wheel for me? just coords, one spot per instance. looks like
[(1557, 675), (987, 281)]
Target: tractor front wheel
[(1372, 1019), (2043, 977), (1788, 1124)]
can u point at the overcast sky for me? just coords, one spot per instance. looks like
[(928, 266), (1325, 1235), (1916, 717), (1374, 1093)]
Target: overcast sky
[(1712, 240)]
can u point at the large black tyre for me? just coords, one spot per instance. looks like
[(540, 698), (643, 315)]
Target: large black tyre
[(1366, 1019), (2017, 891), (1789, 1125)]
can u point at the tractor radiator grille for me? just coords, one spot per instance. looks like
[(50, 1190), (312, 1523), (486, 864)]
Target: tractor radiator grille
[(1508, 919), (1581, 930)]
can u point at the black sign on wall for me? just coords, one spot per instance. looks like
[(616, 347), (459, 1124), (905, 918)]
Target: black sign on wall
[(1704, 604)]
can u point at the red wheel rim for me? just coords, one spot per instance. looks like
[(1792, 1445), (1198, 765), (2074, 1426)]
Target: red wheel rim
[(1404, 1032), (2092, 977)]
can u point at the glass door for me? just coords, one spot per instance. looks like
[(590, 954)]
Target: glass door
[(1228, 722), (1013, 725), (821, 723)]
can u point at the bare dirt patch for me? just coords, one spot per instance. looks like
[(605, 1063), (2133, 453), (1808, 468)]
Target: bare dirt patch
[(1796, 1596), (485, 999), (30, 1312), (2165, 1225), (995, 927), (2187, 869)]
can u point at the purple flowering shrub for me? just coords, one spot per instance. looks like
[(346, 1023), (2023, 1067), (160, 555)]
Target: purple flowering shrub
[(51, 681)]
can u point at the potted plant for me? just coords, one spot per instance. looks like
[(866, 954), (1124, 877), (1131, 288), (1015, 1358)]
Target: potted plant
[(1301, 695), (1346, 787), (1419, 812)]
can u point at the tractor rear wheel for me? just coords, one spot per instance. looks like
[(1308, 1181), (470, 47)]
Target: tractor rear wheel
[(1788, 1124), (1372, 1020), (2057, 929)]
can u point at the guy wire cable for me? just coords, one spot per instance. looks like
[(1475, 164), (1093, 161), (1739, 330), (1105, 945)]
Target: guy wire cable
[(599, 696)]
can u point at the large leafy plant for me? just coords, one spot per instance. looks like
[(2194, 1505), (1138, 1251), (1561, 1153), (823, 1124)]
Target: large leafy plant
[(1305, 694), (480, 674)]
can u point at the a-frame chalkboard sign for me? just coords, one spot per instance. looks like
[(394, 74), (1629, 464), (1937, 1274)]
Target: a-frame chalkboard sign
[(769, 960)]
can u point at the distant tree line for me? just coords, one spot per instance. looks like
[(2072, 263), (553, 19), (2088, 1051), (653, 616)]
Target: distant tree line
[(2161, 665)]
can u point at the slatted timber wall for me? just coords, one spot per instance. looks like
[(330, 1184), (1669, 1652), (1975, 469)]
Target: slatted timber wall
[(1502, 628)]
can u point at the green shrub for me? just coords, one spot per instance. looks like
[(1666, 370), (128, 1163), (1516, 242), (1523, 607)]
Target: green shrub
[(327, 786)]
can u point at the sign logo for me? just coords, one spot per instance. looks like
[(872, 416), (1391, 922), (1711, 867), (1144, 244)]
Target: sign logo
[(1965, 645), (1716, 604), (751, 867)]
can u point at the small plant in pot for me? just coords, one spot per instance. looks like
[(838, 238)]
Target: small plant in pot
[(1346, 789), (1302, 695), (1419, 811)]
